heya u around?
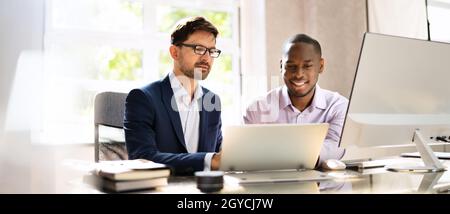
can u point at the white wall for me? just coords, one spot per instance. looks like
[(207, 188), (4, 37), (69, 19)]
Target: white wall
[(284, 19), (21, 28), (253, 44), (337, 25)]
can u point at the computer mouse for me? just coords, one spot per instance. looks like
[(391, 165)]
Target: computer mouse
[(333, 164)]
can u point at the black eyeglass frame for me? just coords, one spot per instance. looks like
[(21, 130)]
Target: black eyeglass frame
[(211, 51)]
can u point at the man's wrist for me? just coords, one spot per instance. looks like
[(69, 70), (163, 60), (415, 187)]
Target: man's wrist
[(208, 161)]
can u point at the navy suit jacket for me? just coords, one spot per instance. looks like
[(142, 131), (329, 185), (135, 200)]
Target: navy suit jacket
[(153, 129)]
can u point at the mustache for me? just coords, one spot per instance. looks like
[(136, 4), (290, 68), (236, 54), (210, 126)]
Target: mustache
[(202, 64)]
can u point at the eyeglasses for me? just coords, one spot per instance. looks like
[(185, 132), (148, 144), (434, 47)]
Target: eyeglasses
[(201, 50)]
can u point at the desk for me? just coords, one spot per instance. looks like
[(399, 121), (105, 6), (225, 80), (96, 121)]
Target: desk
[(55, 169), (378, 181)]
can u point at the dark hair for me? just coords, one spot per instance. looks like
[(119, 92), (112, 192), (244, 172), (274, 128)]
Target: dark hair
[(188, 26), (305, 39)]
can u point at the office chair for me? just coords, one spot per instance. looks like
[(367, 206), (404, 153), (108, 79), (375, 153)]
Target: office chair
[(109, 108)]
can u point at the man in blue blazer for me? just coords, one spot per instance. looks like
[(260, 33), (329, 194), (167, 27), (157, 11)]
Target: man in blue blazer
[(175, 121)]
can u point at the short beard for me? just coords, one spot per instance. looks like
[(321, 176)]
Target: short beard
[(195, 73)]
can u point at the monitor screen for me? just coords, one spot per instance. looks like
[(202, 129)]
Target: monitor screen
[(401, 85)]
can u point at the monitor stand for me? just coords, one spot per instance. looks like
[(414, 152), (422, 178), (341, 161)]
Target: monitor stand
[(432, 163), (429, 182)]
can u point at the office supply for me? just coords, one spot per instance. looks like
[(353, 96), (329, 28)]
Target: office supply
[(400, 97), (121, 186), (272, 146), (367, 163), (333, 164), (131, 170)]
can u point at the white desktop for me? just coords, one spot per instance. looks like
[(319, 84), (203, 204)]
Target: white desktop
[(400, 96)]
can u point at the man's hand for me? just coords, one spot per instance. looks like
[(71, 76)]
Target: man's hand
[(215, 161)]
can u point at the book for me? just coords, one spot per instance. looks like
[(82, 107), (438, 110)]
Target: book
[(120, 186), (125, 170)]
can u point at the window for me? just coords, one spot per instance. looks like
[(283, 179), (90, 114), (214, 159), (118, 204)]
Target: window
[(117, 45), (439, 17)]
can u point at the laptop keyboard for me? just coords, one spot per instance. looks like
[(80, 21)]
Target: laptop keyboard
[(279, 176)]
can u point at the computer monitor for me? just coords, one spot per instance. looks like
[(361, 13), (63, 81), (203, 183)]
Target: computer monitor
[(400, 95)]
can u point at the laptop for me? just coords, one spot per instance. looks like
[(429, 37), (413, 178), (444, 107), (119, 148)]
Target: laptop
[(273, 152)]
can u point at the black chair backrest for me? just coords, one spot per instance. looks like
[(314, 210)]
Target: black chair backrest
[(109, 110)]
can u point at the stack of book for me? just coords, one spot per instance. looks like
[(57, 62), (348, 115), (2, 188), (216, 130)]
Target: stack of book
[(128, 175)]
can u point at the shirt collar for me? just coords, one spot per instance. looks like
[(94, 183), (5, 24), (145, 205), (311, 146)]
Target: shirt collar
[(317, 102), (178, 89), (284, 98)]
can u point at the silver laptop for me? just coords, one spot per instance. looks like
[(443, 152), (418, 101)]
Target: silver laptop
[(273, 152)]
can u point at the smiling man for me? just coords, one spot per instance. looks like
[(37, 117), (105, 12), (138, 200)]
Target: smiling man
[(175, 121), (301, 100)]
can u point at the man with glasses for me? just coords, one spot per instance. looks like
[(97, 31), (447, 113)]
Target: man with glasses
[(175, 121)]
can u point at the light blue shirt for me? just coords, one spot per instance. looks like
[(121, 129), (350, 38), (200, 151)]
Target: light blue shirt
[(326, 107), (188, 109)]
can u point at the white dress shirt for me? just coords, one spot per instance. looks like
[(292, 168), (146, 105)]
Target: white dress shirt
[(188, 109), (326, 107)]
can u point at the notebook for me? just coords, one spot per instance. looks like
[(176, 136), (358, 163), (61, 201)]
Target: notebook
[(121, 186), (124, 170)]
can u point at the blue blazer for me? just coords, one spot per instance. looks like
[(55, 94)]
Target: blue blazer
[(153, 129)]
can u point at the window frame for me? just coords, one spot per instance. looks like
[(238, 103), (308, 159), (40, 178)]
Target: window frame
[(439, 5), (149, 40)]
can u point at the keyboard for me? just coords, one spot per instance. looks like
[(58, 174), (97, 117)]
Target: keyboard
[(366, 164), (279, 176), (440, 155)]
